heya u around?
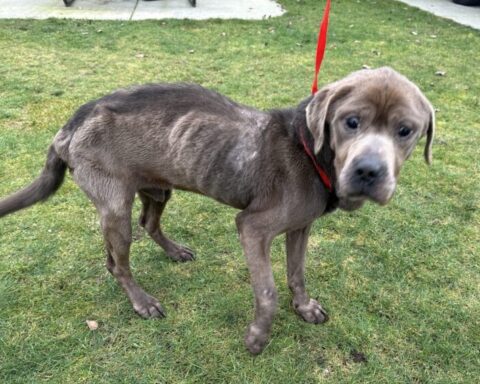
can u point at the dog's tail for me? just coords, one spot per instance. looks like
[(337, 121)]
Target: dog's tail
[(40, 189)]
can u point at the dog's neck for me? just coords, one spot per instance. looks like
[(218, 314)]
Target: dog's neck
[(325, 158)]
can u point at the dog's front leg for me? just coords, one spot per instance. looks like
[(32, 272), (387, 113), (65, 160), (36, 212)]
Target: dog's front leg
[(256, 246), (309, 309)]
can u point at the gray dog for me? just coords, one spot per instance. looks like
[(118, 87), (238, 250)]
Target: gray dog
[(282, 169)]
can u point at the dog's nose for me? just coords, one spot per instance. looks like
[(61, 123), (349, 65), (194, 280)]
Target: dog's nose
[(367, 170)]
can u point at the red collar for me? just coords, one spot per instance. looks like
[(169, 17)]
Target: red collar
[(321, 172)]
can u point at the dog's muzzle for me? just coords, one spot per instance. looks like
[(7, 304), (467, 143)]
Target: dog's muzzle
[(368, 173), (368, 177)]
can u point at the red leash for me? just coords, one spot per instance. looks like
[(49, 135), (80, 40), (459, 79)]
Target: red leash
[(321, 45)]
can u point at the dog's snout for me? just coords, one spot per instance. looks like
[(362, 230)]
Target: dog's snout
[(367, 170)]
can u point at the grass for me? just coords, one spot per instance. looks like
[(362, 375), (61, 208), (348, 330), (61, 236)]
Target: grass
[(401, 283)]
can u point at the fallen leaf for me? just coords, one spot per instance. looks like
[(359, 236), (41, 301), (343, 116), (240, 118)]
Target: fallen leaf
[(92, 325), (140, 55)]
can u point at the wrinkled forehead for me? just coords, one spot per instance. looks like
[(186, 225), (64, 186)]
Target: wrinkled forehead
[(384, 100)]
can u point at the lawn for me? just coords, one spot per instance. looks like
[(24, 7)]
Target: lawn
[(401, 283)]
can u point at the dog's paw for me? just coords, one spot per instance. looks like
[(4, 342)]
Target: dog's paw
[(255, 339), (181, 254), (311, 312), (148, 307)]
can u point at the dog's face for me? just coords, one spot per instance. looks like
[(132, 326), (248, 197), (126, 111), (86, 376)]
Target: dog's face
[(374, 119)]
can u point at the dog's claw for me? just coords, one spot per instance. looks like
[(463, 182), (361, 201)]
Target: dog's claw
[(182, 254), (148, 307), (312, 312)]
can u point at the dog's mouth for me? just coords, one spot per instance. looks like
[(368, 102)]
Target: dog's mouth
[(352, 197), (350, 203), (355, 189), (356, 199)]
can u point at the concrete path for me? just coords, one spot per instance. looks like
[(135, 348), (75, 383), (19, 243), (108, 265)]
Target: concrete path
[(206, 9), (139, 10), (469, 16)]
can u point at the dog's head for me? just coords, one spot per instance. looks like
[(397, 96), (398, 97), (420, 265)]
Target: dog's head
[(374, 118)]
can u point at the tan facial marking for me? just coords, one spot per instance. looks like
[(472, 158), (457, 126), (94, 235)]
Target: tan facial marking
[(379, 148)]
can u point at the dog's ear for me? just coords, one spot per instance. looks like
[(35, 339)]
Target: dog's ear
[(430, 134), (319, 110)]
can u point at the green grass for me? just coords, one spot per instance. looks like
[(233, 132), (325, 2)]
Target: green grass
[(401, 283)]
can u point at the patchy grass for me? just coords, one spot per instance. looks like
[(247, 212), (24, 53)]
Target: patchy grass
[(401, 283)]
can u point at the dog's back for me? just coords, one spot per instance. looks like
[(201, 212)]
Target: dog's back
[(154, 134)]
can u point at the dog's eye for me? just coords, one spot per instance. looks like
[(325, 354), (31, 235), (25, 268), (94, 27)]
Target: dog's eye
[(404, 131), (353, 122)]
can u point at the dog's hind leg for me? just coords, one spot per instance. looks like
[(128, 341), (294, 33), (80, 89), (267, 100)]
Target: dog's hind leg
[(113, 200), (154, 202)]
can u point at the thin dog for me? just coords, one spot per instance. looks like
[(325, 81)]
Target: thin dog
[(150, 139)]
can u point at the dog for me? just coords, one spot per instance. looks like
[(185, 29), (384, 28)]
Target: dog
[(282, 168)]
